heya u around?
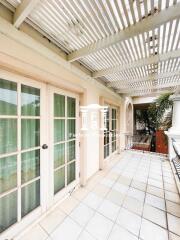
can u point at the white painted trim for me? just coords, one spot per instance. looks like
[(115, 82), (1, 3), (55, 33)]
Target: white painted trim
[(139, 63), (145, 25), (23, 10), (147, 78), (62, 193), (152, 86), (29, 218), (7, 29)]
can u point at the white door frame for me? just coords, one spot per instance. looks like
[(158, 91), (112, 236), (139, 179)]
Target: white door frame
[(110, 133), (67, 190), (32, 216)]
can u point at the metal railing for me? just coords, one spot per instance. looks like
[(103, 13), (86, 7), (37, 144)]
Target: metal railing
[(176, 160)]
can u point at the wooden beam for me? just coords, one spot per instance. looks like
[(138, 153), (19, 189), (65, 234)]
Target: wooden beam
[(145, 25), (139, 63), (152, 86), (150, 77), (23, 10)]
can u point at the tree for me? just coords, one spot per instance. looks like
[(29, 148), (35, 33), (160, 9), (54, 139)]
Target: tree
[(160, 112), (158, 115)]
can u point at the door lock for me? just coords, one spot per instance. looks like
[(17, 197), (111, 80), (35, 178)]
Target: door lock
[(44, 146)]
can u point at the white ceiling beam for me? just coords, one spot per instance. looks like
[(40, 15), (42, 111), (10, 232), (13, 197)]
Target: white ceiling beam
[(145, 25), (23, 10), (154, 92), (150, 77), (139, 63), (152, 86)]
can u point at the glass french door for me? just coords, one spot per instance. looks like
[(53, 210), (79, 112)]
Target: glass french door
[(20, 150), (64, 142), (110, 139)]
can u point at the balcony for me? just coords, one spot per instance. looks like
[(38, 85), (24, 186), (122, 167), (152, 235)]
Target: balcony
[(135, 197), (76, 161)]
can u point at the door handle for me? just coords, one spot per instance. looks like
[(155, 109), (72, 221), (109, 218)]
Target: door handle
[(44, 146)]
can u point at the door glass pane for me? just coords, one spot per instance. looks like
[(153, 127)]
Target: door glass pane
[(114, 136), (71, 107), (113, 146), (8, 173), (71, 172), (70, 128), (30, 133), (106, 151), (8, 97), (30, 101), (30, 197), (30, 165), (59, 179), (59, 130), (113, 113), (59, 105), (71, 150), (59, 155), (8, 211), (113, 124), (8, 135)]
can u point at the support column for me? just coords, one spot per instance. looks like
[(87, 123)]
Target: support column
[(174, 131)]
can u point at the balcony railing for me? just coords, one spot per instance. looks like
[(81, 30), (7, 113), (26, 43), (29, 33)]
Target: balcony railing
[(138, 142), (176, 159)]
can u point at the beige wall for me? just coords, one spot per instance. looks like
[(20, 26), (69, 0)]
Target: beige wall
[(22, 55), (124, 128)]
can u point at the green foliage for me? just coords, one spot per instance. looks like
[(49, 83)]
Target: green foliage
[(158, 115), (160, 112)]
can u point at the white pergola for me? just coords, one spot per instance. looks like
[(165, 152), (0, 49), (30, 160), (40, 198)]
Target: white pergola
[(132, 46)]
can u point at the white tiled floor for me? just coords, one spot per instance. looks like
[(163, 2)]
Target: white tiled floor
[(134, 198)]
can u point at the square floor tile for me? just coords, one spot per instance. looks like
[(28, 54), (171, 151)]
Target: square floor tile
[(68, 204), (173, 208), (173, 236), (85, 236), (155, 201), (174, 224), (109, 209), (151, 231), (133, 205), (124, 180), (82, 214), (155, 215), (68, 230), (129, 220), (173, 197), (34, 233), (137, 194), (80, 193), (138, 185), (170, 187), (155, 183), (115, 197), (92, 200), (119, 233), (120, 188), (155, 191), (108, 182), (52, 220), (112, 176), (101, 190), (169, 180), (99, 227)]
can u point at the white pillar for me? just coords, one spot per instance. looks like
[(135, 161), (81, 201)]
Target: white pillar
[(174, 131), (176, 113)]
